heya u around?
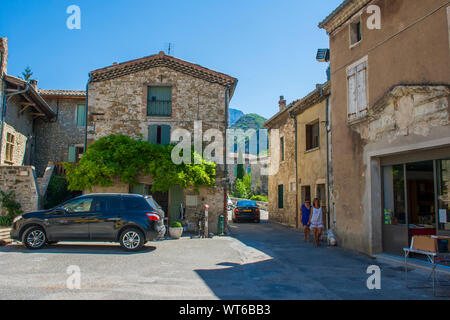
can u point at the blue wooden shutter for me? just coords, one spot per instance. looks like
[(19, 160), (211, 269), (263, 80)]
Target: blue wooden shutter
[(280, 196), (152, 133), (159, 101), (72, 154), (81, 115), (165, 134)]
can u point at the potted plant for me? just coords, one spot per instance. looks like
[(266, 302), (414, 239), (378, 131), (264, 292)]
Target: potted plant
[(176, 230)]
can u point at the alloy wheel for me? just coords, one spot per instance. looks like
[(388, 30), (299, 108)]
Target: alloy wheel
[(131, 240), (36, 238)]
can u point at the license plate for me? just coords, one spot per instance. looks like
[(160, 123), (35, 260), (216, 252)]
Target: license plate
[(247, 210)]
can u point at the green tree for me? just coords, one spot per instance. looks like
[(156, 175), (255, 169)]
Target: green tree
[(26, 74), (239, 189), (121, 156)]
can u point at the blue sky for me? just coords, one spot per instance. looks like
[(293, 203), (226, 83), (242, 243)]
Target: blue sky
[(269, 45)]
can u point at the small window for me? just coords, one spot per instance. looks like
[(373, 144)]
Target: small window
[(282, 148), (9, 147), (355, 32), (312, 136), (81, 115), (159, 101), (357, 90), (280, 196)]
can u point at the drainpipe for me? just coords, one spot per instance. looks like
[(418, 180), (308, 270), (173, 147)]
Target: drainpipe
[(86, 112), (6, 98), (328, 164), (292, 116), (225, 156)]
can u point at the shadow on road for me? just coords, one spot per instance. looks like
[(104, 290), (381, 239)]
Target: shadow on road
[(75, 248)]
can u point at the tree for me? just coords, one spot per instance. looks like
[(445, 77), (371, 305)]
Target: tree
[(121, 156), (26, 74)]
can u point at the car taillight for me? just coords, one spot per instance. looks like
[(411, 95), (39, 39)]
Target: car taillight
[(236, 210), (153, 216), (257, 210)]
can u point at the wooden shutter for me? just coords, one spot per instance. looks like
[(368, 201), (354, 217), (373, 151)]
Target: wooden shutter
[(361, 71), (159, 101), (352, 97), (152, 133), (308, 137), (72, 154), (165, 134), (81, 115), (280, 196)]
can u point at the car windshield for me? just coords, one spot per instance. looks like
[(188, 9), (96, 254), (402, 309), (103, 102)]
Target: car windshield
[(246, 203)]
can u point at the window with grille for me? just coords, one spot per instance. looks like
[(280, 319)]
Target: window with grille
[(9, 148), (159, 101)]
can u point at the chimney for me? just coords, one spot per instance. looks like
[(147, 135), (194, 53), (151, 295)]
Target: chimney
[(282, 103), (4, 55), (34, 84)]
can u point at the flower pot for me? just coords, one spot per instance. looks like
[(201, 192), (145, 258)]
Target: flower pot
[(175, 232)]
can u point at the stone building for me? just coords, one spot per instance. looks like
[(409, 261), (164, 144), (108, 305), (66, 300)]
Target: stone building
[(303, 147), (150, 98), (282, 184), (62, 139), (254, 165), (390, 121)]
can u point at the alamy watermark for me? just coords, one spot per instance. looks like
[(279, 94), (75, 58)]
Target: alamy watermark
[(374, 280), (73, 282), (74, 19)]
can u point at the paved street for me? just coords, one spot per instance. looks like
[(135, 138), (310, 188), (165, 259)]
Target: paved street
[(265, 261)]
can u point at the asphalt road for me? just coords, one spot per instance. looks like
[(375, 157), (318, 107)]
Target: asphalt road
[(265, 261)]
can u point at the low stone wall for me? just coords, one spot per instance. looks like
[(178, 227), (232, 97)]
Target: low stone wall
[(21, 180), (4, 235)]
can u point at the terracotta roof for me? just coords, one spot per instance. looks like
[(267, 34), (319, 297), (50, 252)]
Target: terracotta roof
[(162, 60), (40, 104), (341, 14), (67, 93), (298, 105)]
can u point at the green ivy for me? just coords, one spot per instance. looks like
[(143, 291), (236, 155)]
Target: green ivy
[(123, 157), (13, 208)]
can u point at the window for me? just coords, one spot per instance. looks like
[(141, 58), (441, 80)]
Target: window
[(159, 134), (357, 93), (135, 203), (9, 148), (312, 136), (280, 196), (78, 205), (107, 204), (282, 148), (159, 101), (355, 32), (81, 116), (306, 193)]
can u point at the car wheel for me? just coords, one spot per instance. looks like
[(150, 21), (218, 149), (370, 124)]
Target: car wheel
[(132, 239), (34, 238)]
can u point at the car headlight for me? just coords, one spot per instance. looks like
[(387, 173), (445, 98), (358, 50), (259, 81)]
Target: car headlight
[(17, 219)]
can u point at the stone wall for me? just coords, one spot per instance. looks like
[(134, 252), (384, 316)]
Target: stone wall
[(21, 127), (4, 54), (21, 180), (53, 138), (285, 175)]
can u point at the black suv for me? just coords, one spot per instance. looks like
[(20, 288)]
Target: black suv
[(128, 219)]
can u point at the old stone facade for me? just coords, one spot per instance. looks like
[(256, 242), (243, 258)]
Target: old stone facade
[(254, 165), (282, 182), (118, 102), (389, 102), (22, 181), (55, 138)]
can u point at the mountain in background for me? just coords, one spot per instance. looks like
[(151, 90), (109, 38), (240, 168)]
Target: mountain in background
[(235, 115), (250, 121)]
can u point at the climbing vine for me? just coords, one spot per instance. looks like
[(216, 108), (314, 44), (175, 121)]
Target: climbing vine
[(123, 157)]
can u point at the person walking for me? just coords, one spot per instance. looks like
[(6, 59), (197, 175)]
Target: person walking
[(316, 221), (306, 213)]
